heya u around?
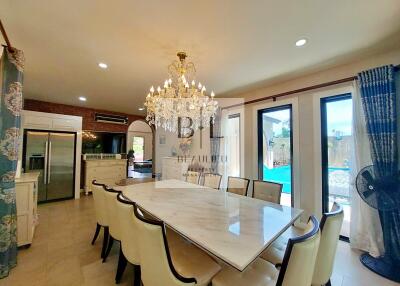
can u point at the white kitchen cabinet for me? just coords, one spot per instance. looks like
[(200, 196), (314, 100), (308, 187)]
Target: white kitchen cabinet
[(27, 218), (50, 121), (172, 168), (106, 171)]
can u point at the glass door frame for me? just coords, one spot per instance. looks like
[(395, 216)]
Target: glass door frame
[(324, 150), (260, 154)]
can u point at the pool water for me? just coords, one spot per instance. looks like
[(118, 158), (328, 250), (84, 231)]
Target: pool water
[(280, 175), (338, 177)]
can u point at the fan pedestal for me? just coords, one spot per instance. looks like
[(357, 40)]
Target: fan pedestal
[(381, 266)]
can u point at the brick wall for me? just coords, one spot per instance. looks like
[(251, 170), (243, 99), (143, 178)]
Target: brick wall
[(88, 122)]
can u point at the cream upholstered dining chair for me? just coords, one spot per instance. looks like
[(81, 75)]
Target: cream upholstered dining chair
[(164, 263), (238, 185), (101, 214), (331, 224), (296, 270), (129, 240), (193, 177), (211, 180), (267, 191), (114, 224)]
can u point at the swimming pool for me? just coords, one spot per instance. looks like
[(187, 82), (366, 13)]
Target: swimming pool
[(338, 178)]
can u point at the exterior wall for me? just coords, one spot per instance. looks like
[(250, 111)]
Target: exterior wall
[(87, 114)]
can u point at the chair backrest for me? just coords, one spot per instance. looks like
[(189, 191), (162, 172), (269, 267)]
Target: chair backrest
[(212, 181), (299, 260), (193, 177), (99, 203), (238, 185), (331, 223), (129, 231), (111, 200), (155, 260), (267, 191)]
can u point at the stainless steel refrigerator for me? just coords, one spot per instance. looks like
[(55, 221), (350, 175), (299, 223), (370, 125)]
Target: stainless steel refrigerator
[(53, 155)]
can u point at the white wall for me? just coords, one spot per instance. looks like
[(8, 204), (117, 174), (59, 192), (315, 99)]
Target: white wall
[(172, 141), (197, 148)]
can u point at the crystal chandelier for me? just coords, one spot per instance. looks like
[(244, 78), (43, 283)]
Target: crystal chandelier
[(181, 100)]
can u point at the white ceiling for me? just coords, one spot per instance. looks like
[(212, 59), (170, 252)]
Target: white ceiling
[(234, 43)]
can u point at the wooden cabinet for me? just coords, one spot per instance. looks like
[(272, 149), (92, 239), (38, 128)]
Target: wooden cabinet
[(106, 171), (172, 168), (27, 219)]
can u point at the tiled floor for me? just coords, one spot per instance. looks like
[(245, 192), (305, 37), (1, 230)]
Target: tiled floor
[(61, 253)]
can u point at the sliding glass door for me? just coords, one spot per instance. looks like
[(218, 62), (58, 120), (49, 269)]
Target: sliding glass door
[(275, 151), (336, 125)]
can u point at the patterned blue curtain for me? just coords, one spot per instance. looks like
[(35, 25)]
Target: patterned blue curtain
[(215, 141), (11, 70), (378, 95)]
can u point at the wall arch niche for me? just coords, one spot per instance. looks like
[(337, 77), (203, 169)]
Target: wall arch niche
[(140, 128)]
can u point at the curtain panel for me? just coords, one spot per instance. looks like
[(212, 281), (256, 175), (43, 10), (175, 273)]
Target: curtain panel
[(365, 226), (215, 142), (11, 69), (378, 95)]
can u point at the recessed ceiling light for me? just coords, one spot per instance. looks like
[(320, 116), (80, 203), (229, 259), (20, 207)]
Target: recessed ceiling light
[(141, 108), (82, 98), (301, 42), (103, 65)]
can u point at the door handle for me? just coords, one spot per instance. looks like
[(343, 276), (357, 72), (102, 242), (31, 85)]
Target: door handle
[(49, 167), (45, 162)]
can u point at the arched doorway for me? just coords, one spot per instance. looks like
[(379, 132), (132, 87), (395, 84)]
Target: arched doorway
[(140, 140)]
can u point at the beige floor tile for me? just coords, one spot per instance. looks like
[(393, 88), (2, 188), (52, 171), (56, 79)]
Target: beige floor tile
[(64, 272), (62, 254)]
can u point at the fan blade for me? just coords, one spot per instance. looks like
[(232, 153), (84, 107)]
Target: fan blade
[(367, 193), (367, 176)]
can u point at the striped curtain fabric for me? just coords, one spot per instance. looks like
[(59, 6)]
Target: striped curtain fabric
[(378, 93)]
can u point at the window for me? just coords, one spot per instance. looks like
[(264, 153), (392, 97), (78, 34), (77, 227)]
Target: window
[(275, 151), (336, 136)]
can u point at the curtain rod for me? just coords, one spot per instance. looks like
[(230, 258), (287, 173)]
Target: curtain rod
[(3, 32), (308, 88)]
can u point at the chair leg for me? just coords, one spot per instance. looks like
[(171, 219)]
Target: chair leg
[(96, 233), (109, 246), (137, 275), (105, 241), (121, 266), (328, 283)]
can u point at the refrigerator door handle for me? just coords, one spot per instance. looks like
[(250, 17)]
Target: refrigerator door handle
[(49, 164), (45, 162)]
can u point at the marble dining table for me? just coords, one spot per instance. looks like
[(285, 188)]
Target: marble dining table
[(233, 228)]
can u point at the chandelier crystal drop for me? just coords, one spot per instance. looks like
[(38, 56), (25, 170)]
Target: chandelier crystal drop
[(180, 97)]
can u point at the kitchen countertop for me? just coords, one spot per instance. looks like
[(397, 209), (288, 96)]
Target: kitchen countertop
[(28, 177)]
